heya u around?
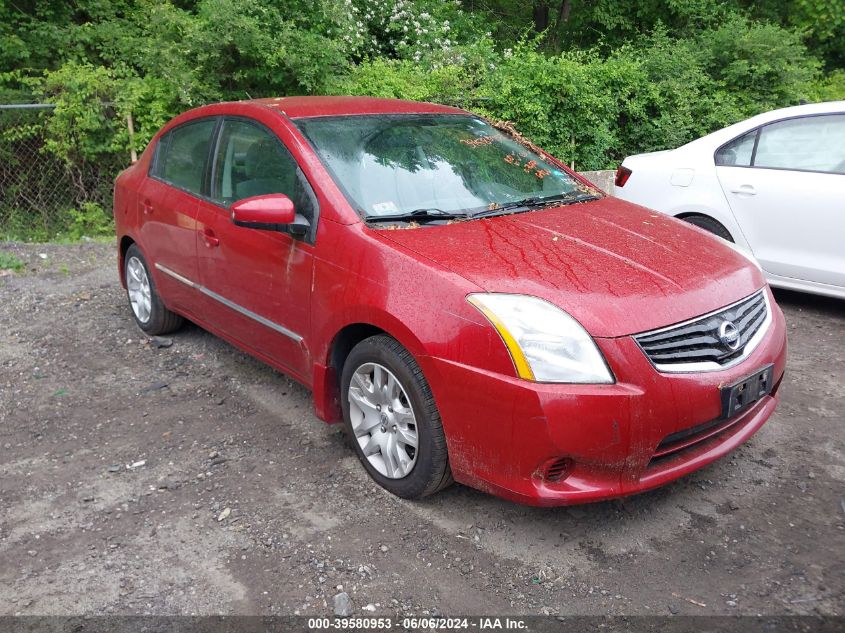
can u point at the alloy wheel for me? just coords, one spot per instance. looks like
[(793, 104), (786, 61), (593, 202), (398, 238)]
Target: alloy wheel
[(383, 420), (138, 288)]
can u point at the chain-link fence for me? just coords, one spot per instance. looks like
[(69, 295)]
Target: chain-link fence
[(41, 195)]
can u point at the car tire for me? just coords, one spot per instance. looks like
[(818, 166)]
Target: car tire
[(710, 225), (387, 401), (147, 308)]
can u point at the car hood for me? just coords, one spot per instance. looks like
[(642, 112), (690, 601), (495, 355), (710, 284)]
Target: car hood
[(616, 267)]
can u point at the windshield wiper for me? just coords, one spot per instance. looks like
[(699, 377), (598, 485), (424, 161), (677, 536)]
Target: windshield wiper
[(418, 215), (538, 202)]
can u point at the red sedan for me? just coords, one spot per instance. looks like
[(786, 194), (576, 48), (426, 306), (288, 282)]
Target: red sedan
[(468, 306)]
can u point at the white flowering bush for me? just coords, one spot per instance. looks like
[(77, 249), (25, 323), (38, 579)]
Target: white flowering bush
[(403, 29)]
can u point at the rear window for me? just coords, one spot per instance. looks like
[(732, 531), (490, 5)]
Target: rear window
[(182, 155)]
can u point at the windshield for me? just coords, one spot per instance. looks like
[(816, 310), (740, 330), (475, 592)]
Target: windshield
[(393, 165)]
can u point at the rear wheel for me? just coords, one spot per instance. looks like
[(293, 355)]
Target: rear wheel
[(147, 308), (392, 420), (709, 224)]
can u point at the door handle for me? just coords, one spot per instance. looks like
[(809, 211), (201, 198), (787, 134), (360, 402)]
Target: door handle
[(148, 207), (745, 190), (210, 239)]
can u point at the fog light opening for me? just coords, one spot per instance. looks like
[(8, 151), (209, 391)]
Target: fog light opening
[(558, 470)]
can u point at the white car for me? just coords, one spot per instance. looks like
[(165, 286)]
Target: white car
[(774, 184)]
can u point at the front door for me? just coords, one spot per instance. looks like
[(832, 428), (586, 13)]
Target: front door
[(258, 282)]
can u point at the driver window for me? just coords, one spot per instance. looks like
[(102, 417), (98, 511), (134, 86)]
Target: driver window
[(251, 161)]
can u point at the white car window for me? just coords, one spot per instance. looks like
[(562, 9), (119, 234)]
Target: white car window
[(738, 152), (815, 143)]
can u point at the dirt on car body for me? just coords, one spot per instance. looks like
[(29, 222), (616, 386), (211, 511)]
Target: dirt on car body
[(145, 478)]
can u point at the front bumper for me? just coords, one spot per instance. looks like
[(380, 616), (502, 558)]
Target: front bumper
[(502, 431)]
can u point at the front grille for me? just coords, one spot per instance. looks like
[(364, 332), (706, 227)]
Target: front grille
[(689, 437), (713, 341)]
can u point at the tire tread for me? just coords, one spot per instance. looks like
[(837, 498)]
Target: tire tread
[(709, 224)]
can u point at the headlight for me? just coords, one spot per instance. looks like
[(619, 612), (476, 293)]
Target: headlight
[(545, 343)]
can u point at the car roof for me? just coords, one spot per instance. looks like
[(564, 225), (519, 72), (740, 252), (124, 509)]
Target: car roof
[(824, 107), (732, 131), (297, 107), (709, 142), (304, 107)]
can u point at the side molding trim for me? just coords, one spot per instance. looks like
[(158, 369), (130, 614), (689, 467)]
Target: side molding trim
[(281, 329)]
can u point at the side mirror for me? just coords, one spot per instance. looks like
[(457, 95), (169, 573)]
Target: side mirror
[(271, 212)]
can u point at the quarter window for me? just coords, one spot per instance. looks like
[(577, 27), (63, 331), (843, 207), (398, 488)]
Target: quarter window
[(252, 161), (738, 152), (814, 143), (183, 154)]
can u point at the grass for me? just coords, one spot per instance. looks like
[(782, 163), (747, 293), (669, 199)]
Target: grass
[(8, 261)]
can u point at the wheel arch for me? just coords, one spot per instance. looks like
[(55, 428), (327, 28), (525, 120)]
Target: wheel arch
[(698, 214), (328, 365), (714, 208), (347, 338), (688, 214)]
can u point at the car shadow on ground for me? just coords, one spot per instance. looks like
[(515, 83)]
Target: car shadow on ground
[(804, 301), (720, 494)]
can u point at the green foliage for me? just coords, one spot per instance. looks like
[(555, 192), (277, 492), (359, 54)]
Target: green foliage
[(605, 78), (820, 23), (8, 261), (668, 97), (591, 110), (560, 102), (831, 88), (766, 63), (684, 88), (451, 77), (78, 129), (89, 220)]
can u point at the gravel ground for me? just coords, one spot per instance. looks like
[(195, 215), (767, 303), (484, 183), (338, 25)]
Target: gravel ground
[(192, 479)]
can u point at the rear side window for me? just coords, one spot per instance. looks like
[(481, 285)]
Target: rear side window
[(814, 143), (252, 161), (183, 154), (738, 152)]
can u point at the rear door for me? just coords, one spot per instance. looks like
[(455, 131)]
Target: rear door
[(167, 206), (785, 183), (258, 282)]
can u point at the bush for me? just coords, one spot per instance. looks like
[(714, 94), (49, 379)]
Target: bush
[(830, 88), (89, 220), (450, 77), (764, 65), (636, 76), (592, 111), (9, 261), (78, 128), (563, 103), (399, 29)]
